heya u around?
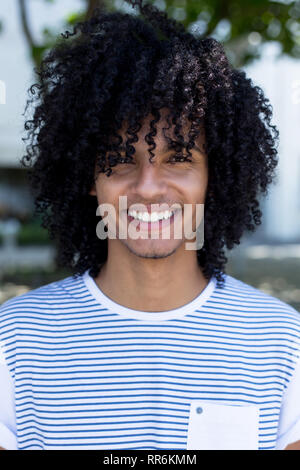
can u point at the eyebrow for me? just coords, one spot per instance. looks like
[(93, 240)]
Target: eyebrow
[(169, 147), (184, 145)]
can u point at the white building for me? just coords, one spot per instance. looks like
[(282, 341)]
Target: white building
[(280, 80)]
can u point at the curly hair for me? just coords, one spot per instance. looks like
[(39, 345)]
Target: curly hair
[(116, 67)]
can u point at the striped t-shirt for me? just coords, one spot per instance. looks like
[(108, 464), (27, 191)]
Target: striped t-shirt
[(80, 371)]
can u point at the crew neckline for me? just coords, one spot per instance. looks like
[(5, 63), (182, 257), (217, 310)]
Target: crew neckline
[(121, 310)]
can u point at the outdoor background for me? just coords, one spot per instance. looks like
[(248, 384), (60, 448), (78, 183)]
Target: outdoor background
[(261, 37)]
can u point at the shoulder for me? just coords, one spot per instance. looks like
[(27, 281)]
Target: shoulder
[(25, 316), (266, 318), (251, 307), (252, 299), (39, 300)]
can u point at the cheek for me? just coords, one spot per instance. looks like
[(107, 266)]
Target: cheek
[(108, 191), (195, 186)]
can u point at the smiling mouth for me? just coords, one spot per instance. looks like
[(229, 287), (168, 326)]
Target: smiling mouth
[(150, 217), (156, 225)]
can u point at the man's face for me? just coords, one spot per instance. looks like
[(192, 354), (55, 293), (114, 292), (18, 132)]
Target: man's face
[(144, 183)]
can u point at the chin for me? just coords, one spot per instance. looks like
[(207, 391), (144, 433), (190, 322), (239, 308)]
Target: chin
[(154, 252)]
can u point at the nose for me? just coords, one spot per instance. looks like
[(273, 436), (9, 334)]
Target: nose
[(149, 183)]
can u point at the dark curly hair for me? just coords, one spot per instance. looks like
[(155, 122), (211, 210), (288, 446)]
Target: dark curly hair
[(122, 67)]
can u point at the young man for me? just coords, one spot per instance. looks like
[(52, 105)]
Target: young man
[(149, 344)]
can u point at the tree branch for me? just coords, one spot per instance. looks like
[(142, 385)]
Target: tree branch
[(25, 25), (91, 5)]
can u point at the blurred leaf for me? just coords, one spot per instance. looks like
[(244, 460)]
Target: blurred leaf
[(33, 234), (231, 22), (37, 53), (73, 18)]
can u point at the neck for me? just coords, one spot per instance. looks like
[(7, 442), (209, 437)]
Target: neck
[(148, 284)]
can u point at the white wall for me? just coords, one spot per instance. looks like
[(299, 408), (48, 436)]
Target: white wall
[(280, 80), (16, 68)]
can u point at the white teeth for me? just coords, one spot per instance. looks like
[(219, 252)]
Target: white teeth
[(154, 217)]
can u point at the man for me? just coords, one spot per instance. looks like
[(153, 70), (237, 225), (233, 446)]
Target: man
[(149, 345)]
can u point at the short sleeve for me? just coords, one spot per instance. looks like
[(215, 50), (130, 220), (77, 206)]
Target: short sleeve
[(8, 429), (289, 420)]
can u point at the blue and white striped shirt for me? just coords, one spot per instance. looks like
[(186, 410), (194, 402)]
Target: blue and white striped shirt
[(79, 371)]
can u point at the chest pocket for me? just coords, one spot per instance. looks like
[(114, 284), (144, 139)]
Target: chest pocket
[(214, 426)]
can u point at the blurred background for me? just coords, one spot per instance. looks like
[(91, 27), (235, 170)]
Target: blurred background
[(261, 37)]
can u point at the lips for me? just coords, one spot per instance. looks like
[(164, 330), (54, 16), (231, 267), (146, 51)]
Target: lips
[(147, 207), (152, 226)]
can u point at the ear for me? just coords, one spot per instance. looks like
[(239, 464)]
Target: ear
[(92, 191)]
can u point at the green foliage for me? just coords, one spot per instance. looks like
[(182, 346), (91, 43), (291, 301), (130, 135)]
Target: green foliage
[(73, 18), (37, 53), (242, 26), (32, 233)]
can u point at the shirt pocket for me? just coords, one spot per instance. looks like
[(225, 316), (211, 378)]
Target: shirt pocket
[(214, 426)]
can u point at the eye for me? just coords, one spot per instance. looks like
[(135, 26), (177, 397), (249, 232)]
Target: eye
[(125, 160), (179, 158)]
